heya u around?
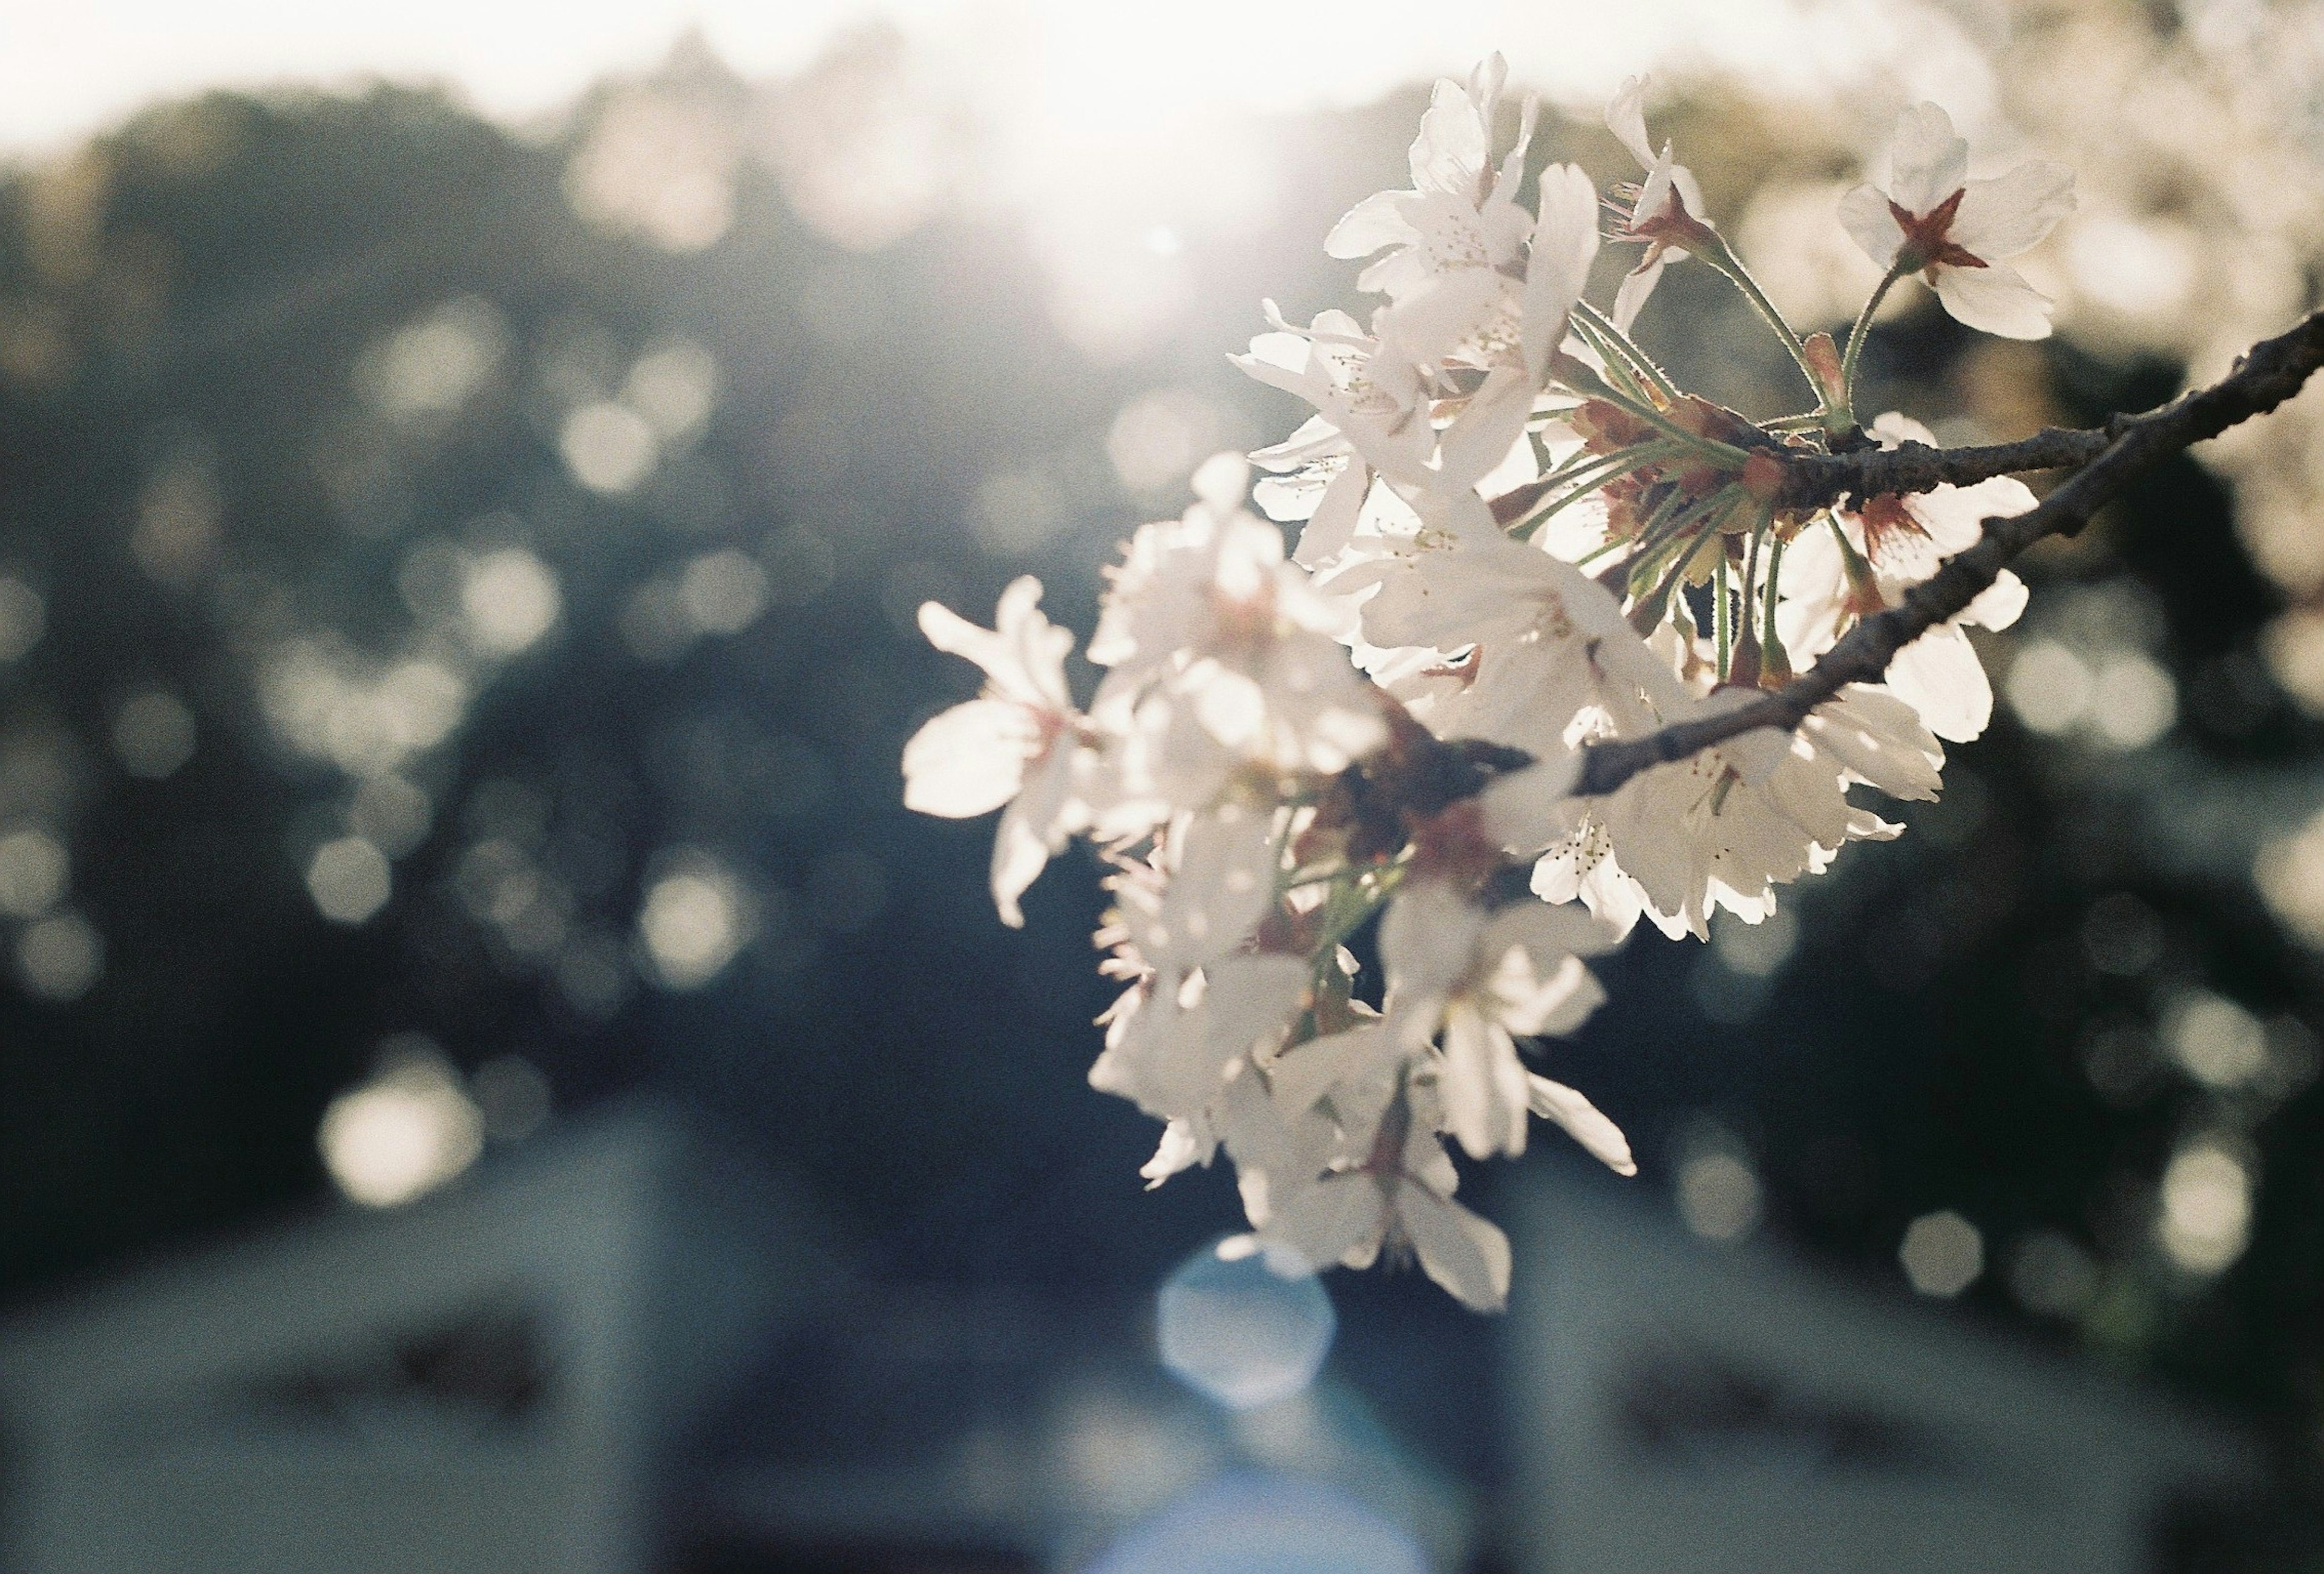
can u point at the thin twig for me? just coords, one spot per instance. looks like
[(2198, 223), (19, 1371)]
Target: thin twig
[(2129, 445)]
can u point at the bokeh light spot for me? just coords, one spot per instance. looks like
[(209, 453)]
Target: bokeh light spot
[(1246, 1329), (673, 388), (608, 446), (34, 869), (2207, 1207), (60, 958), (405, 1132), (2048, 686), (1718, 1193), (722, 593), (152, 735), (349, 879), (509, 598), (23, 618), (1942, 1254), (2133, 701), (2214, 1040), (696, 918), (432, 366)]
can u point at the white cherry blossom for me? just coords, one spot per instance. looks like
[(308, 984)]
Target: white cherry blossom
[(1221, 657), (1668, 211), (1727, 825), (1017, 744), (1395, 1200), (1482, 980), (1902, 541), (1957, 233), (1383, 725)]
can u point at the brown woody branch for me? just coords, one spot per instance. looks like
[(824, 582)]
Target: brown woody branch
[(1814, 481), (2108, 460)]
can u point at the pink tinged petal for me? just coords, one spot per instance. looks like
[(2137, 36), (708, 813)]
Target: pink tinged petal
[(1337, 1219), (1557, 267), (1637, 285), (970, 759), (2005, 215), (1997, 606), (1625, 117), (1583, 1121), (1376, 222), (1939, 676), (1928, 162), (1333, 524), (1864, 214), (1995, 299), (1465, 1254)]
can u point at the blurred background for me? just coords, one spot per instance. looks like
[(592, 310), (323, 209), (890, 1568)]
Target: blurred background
[(491, 1076)]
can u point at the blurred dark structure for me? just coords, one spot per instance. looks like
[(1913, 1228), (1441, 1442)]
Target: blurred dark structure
[(302, 402)]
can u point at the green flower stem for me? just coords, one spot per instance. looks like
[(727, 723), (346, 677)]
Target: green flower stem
[(1768, 641), (1723, 259), (1856, 337), (1598, 330)]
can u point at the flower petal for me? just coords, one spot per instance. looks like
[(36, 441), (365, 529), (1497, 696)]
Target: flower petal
[(1333, 523), (1464, 1254), (1583, 1122), (1995, 299), (1927, 160), (1337, 1219), (2003, 216), (1625, 117), (1375, 223), (1938, 675), (1565, 245), (1483, 1085), (1864, 214), (970, 759), (1638, 284), (1998, 604)]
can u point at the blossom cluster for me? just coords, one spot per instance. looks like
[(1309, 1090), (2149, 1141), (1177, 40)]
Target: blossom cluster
[(1513, 537)]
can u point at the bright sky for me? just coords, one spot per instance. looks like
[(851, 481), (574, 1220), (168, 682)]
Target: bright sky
[(68, 70)]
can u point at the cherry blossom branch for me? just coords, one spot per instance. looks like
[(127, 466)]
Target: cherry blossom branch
[(2108, 460)]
